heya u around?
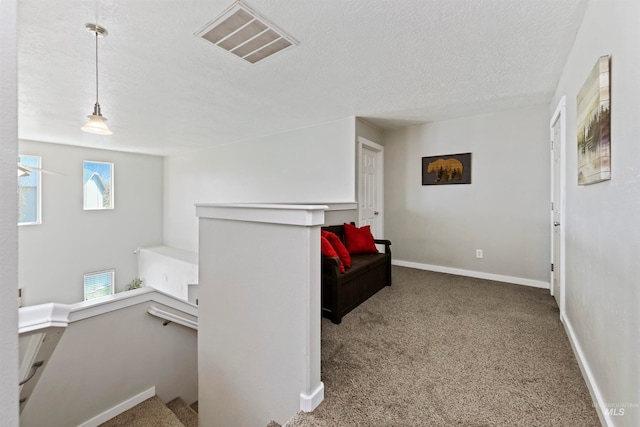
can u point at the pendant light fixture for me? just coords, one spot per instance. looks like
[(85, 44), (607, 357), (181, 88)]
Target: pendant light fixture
[(97, 123)]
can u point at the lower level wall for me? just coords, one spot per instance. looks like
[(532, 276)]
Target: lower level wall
[(102, 361), (54, 256)]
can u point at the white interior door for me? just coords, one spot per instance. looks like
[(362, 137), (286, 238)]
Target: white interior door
[(557, 204), (370, 181), (557, 266)]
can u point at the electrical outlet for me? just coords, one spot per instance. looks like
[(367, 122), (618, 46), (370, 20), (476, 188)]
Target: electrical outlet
[(479, 253)]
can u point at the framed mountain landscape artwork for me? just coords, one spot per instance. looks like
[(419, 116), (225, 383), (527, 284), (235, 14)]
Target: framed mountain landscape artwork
[(594, 125)]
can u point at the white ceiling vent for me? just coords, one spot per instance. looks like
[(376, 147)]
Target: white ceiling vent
[(243, 32)]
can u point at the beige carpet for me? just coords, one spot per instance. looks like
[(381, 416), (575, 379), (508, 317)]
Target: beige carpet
[(443, 350), (151, 412)]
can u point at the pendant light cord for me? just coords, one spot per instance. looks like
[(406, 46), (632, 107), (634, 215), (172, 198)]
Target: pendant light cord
[(97, 65)]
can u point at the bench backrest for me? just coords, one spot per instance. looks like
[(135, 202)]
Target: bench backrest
[(337, 230)]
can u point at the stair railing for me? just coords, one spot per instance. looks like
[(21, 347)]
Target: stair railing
[(41, 326), (172, 318)]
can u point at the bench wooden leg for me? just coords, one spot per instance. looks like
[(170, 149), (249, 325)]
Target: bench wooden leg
[(336, 319)]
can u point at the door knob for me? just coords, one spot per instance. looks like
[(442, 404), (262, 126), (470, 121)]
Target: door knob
[(376, 213), (556, 223)]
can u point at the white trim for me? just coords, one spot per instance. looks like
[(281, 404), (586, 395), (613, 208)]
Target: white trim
[(470, 273), (50, 315), (119, 408), (42, 316), (374, 146), (112, 187), (38, 220), (596, 395), (379, 149), (559, 113), (305, 215), (341, 206), (33, 348), (98, 306), (309, 402)]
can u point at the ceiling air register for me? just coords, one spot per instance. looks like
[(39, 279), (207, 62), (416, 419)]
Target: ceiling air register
[(241, 31)]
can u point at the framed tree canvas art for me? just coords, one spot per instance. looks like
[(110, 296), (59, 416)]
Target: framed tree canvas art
[(594, 125)]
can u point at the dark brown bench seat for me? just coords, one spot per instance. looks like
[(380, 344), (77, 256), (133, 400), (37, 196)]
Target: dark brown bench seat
[(342, 292)]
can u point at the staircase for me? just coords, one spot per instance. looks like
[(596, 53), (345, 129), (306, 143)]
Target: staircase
[(153, 413), (160, 330)]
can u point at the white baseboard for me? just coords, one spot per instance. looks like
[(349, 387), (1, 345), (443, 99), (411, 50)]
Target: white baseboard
[(309, 402), (594, 391), (119, 408), (476, 274)]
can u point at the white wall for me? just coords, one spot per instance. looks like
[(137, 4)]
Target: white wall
[(168, 269), (602, 232), (309, 165), (54, 255), (8, 216), (368, 131), (504, 211), (339, 217), (97, 366)]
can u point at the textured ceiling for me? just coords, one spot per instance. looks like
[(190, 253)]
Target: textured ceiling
[(398, 62)]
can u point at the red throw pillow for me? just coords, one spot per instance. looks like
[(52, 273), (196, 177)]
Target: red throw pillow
[(339, 247), (359, 240), (327, 250)]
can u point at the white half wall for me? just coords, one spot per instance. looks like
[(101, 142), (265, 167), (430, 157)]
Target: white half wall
[(70, 242), (259, 323), (310, 165), (168, 269), (602, 232), (504, 211), (8, 215)]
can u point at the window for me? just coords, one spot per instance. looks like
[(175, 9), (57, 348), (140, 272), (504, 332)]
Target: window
[(28, 190), (99, 284), (98, 185)]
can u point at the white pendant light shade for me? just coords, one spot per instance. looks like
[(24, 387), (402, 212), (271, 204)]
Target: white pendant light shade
[(97, 124)]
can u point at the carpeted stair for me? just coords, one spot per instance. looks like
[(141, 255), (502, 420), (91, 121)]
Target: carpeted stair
[(153, 413), (184, 412)]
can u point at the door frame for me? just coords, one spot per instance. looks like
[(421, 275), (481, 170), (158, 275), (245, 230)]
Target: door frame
[(560, 116), (379, 149)]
